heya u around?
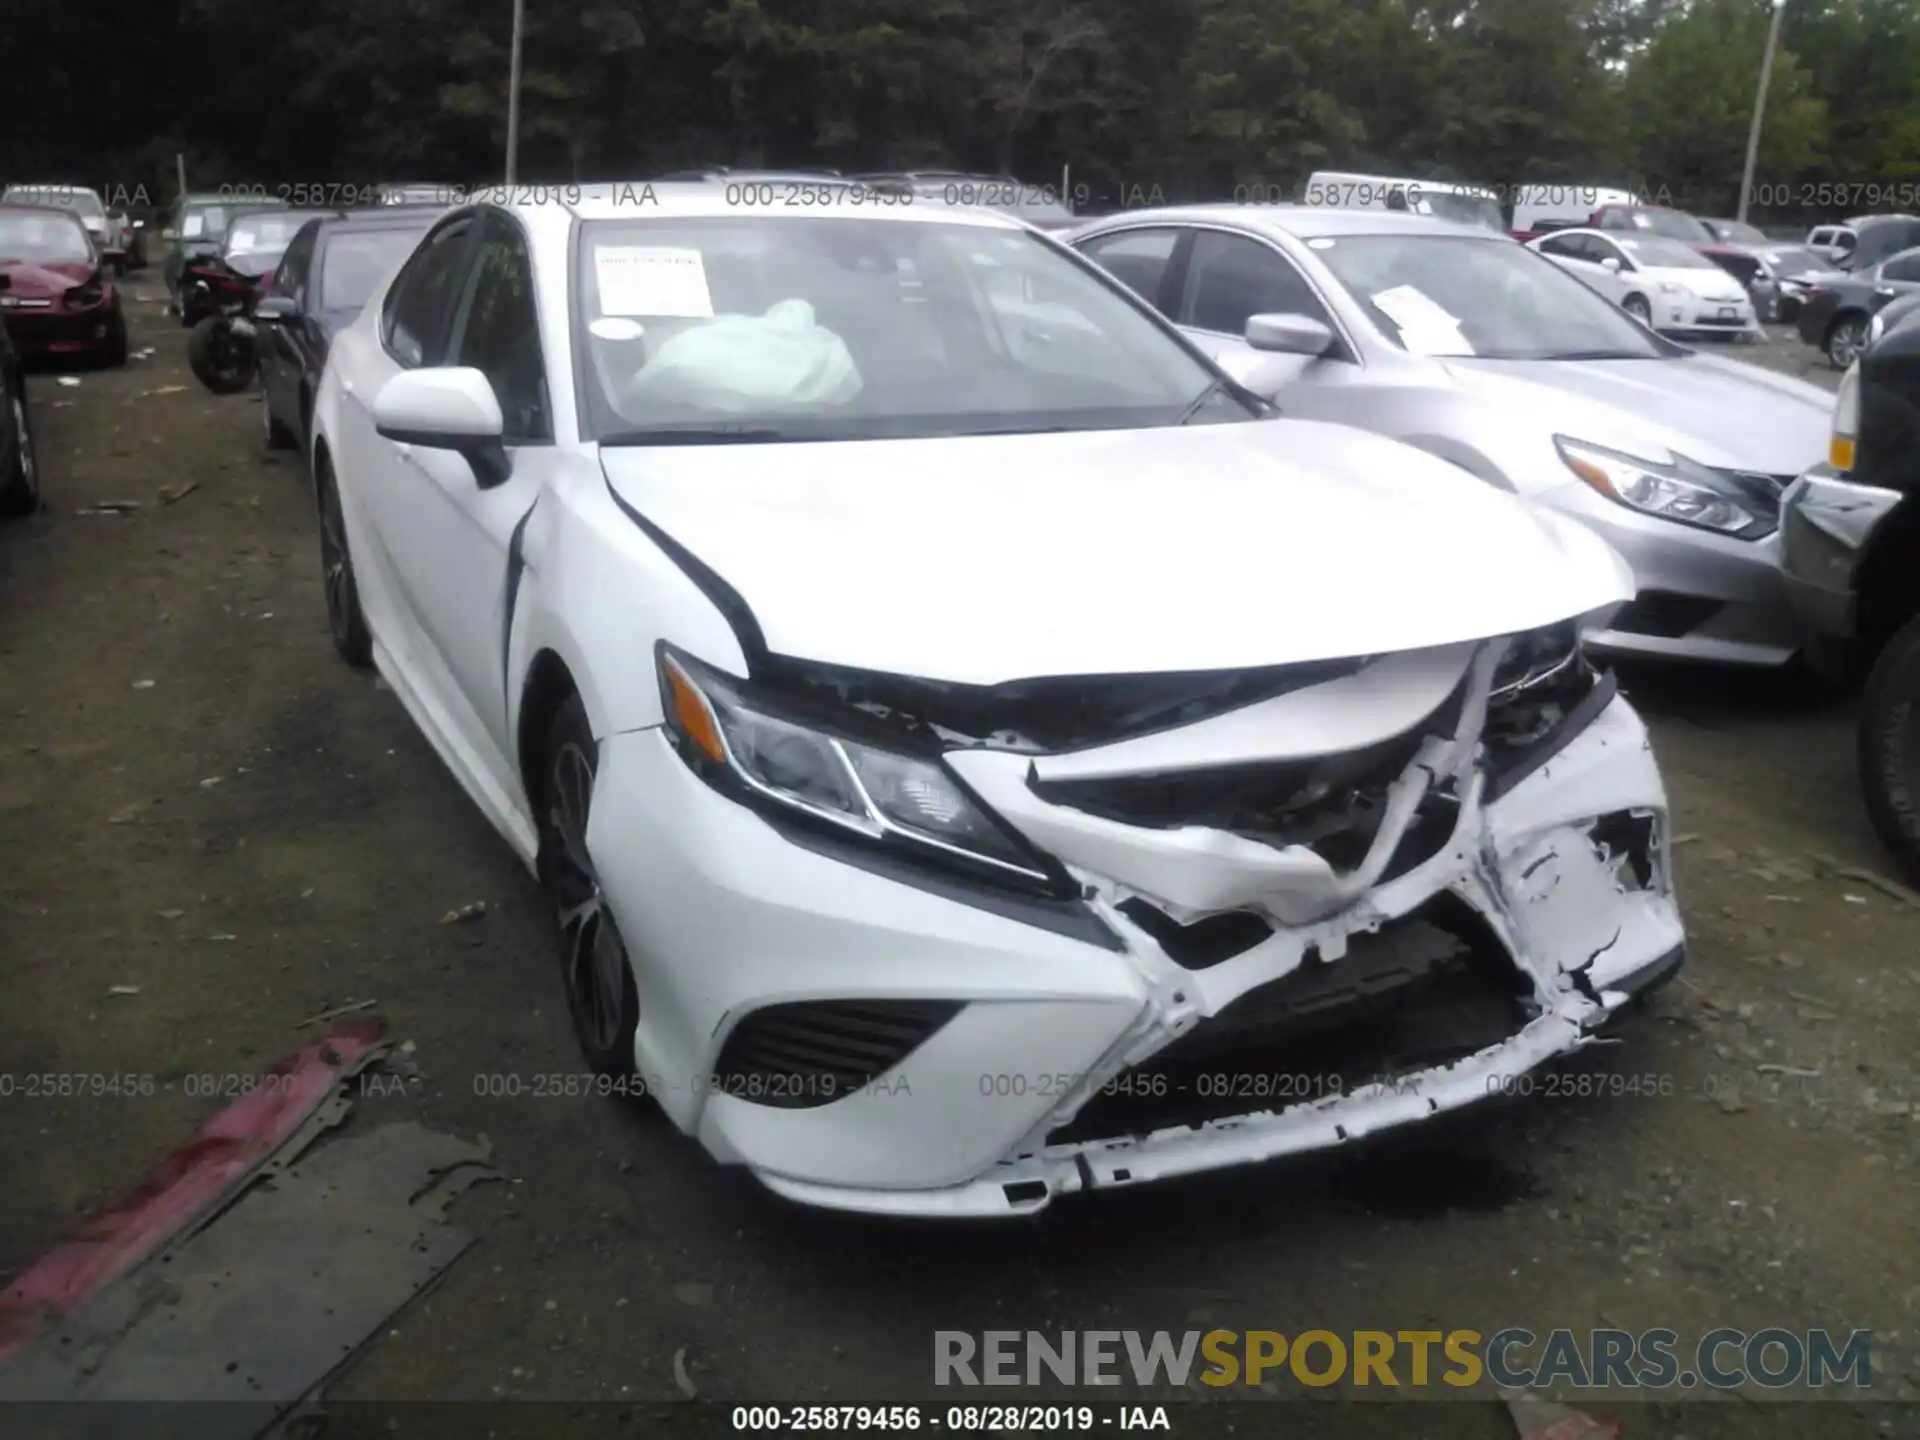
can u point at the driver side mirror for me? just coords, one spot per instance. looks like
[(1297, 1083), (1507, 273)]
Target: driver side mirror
[(1611, 264), (1290, 335), (447, 408)]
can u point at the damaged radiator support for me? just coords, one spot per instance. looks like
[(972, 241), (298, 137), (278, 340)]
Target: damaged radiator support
[(1314, 981)]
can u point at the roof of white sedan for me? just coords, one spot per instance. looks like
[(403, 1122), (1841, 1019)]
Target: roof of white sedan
[(559, 205), (1307, 221)]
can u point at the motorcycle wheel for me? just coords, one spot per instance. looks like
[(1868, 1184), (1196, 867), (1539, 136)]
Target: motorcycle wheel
[(1889, 748), (221, 360)]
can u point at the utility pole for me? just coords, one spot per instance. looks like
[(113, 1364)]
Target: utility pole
[(513, 92), (1759, 109)]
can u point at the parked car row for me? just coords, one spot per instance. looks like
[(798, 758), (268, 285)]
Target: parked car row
[(119, 237)]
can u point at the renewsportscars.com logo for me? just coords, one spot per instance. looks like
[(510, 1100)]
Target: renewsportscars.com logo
[(1513, 1358)]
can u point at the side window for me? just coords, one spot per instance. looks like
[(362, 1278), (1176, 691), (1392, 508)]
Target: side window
[(414, 322), (1600, 251), (290, 276), (1138, 259), (1614, 218), (1567, 247), (1902, 267), (1230, 279), (499, 332), (1845, 240)]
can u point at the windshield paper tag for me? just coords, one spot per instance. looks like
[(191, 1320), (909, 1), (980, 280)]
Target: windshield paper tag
[(1425, 327), (652, 280)]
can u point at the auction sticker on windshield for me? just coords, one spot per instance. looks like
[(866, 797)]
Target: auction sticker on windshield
[(652, 280), (1426, 327)]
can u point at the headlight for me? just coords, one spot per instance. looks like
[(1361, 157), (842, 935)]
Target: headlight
[(1672, 287), (1536, 658), (84, 297), (815, 767), (1846, 419), (1686, 493)]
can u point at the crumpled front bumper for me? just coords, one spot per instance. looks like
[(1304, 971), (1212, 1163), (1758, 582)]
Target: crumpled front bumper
[(724, 914)]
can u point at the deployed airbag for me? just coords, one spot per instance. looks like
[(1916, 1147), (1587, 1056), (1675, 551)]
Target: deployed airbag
[(751, 363)]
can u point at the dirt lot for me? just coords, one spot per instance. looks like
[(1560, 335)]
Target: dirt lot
[(196, 799)]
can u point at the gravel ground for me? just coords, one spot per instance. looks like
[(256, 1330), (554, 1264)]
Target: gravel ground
[(196, 799)]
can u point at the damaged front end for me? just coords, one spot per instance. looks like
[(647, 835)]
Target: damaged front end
[(1353, 895)]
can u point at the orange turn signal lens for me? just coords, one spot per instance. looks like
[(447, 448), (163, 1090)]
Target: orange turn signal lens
[(693, 716), (1593, 475), (1840, 452)]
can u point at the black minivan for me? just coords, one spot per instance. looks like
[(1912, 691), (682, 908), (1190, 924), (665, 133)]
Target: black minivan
[(1850, 538)]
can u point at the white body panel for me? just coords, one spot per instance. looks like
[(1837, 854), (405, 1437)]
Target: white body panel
[(976, 561)]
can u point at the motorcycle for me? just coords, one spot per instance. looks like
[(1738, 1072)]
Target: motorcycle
[(216, 302)]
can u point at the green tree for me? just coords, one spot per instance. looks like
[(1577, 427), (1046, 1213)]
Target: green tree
[(1690, 99)]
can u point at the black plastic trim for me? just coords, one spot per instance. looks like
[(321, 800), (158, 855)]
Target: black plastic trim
[(1072, 919), (727, 600), (1571, 725)]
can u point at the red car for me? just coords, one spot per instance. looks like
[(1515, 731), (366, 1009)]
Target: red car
[(60, 300)]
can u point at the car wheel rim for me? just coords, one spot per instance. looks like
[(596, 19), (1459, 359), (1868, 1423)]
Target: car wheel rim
[(1846, 344), (23, 447), (333, 562), (595, 958)]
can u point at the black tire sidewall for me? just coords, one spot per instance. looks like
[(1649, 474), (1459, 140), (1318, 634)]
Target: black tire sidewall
[(356, 645), (1889, 748), (569, 726), (17, 497)]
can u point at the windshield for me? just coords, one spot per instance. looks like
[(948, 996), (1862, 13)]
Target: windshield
[(356, 261), (1662, 253), (204, 222), (1736, 233), (1455, 295), (1467, 209), (44, 239), (82, 202), (1674, 224), (271, 231), (856, 327)]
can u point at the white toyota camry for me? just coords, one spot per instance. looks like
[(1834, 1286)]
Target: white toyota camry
[(973, 756)]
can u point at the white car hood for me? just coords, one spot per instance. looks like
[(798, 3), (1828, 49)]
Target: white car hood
[(1720, 412), (995, 558)]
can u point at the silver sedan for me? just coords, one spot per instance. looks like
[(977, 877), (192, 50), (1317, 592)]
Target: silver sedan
[(1474, 348)]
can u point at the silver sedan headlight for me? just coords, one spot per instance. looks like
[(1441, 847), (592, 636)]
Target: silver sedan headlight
[(1680, 491)]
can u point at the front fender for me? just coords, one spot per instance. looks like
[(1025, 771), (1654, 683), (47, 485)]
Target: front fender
[(596, 593)]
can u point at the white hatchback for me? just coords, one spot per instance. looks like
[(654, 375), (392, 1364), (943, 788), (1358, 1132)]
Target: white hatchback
[(975, 753), (1661, 282)]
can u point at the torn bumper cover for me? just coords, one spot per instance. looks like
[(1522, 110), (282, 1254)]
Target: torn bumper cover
[(1304, 921)]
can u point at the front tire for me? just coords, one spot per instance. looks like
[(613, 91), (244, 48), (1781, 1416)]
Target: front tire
[(1889, 748), (1845, 340), (278, 436), (346, 623), (20, 487), (117, 343), (601, 998), (1639, 309)]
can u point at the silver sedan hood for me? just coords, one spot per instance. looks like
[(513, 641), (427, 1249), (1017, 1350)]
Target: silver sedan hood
[(986, 559), (1719, 412)]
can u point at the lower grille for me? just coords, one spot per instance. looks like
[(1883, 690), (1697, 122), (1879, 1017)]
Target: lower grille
[(1426, 990), (1664, 614), (797, 1056)]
